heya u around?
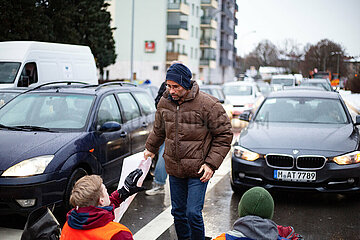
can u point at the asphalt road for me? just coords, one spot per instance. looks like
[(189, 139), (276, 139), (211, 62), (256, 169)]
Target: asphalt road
[(313, 215)]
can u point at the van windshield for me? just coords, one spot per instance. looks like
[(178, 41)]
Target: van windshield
[(8, 71)]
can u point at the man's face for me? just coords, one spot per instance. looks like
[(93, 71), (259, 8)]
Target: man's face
[(104, 199), (175, 89)]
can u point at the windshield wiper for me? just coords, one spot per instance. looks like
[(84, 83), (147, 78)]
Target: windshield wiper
[(9, 128), (33, 128)]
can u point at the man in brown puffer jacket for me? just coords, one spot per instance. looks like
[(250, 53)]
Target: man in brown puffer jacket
[(197, 135)]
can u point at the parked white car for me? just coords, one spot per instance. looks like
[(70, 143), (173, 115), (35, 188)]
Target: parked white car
[(242, 95), (285, 80)]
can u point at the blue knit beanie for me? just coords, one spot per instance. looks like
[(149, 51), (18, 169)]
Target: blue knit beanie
[(180, 74)]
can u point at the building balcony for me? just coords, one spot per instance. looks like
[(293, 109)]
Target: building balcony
[(235, 35), (225, 28), (225, 45), (175, 56), (227, 12), (178, 31), (180, 7), (209, 3), (207, 63), (208, 22), (225, 62), (208, 43), (235, 50), (236, 21)]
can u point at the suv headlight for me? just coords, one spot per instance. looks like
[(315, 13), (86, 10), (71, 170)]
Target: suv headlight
[(349, 158), (32, 166), (245, 154)]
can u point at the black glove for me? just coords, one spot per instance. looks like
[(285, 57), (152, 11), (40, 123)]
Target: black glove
[(130, 183)]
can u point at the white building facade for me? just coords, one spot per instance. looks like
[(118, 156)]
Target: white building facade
[(173, 30)]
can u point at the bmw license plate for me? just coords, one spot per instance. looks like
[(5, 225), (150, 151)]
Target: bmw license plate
[(296, 176)]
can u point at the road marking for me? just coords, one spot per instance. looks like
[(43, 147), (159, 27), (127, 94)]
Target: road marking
[(164, 220)]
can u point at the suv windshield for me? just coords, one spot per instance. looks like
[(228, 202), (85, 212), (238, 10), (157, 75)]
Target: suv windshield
[(8, 71), (237, 90), (68, 112), (302, 110), (283, 81)]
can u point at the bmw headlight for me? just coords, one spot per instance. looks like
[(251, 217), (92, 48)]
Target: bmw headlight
[(245, 154), (32, 166), (349, 158)]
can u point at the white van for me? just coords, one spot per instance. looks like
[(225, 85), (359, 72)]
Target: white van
[(287, 80), (29, 63)]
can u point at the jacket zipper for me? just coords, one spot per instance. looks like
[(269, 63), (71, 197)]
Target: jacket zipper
[(176, 132)]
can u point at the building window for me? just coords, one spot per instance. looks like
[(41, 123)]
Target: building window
[(197, 32), (178, 47), (196, 53), (192, 31), (192, 9), (191, 52), (197, 11)]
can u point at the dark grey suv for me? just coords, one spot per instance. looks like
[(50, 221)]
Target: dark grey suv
[(53, 135)]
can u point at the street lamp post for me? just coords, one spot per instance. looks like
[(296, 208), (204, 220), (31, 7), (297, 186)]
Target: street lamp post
[(132, 43), (338, 60), (241, 38)]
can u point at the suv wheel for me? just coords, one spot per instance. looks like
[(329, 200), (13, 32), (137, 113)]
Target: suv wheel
[(76, 175)]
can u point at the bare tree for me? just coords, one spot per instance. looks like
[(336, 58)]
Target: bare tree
[(325, 56), (266, 53), (290, 55)]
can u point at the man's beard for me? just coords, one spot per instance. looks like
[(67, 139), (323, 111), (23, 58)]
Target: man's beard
[(175, 97)]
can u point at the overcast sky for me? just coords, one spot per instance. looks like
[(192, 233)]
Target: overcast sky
[(304, 21)]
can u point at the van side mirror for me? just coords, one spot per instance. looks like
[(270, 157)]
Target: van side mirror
[(24, 81), (110, 127), (357, 121), (221, 101), (245, 116)]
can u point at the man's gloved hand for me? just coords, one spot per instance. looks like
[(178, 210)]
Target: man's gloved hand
[(130, 183)]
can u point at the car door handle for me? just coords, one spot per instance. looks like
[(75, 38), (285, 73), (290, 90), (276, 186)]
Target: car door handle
[(123, 134)]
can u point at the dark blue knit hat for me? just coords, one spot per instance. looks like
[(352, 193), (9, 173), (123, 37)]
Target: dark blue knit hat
[(180, 74)]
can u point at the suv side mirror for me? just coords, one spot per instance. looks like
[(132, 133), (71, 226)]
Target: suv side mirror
[(221, 101), (110, 127), (357, 121), (245, 116)]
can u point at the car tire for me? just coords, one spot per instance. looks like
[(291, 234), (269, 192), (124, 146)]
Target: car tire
[(76, 175)]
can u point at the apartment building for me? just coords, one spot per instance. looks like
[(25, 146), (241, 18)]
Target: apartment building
[(164, 31)]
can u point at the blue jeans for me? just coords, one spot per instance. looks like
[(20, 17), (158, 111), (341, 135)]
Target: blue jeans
[(187, 201), (160, 172)]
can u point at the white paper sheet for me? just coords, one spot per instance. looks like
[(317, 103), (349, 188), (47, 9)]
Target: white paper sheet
[(130, 164)]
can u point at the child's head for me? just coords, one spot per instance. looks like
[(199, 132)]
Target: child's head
[(89, 191), (256, 201)]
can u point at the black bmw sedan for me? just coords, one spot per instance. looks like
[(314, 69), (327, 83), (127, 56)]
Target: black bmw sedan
[(298, 140)]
